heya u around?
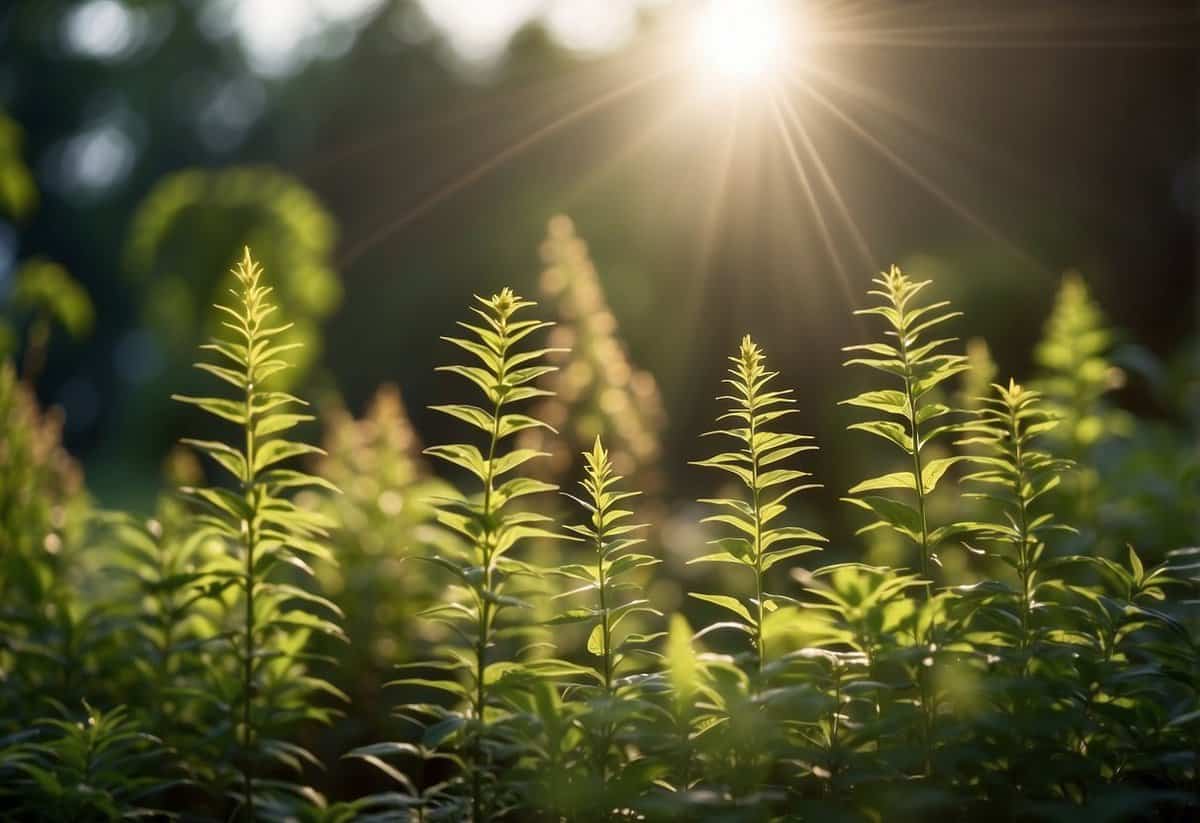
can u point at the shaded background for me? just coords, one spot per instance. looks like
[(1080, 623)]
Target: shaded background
[(994, 145)]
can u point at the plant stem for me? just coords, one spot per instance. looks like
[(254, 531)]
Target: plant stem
[(606, 637), (485, 610), (927, 589), (1023, 537), (252, 503), (757, 518)]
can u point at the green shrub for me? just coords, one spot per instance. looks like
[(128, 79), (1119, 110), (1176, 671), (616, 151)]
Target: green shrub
[(1040, 679), (262, 683)]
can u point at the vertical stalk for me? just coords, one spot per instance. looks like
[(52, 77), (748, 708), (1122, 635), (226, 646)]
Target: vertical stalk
[(915, 433), (927, 589), (757, 518), (606, 637), (1022, 535), (758, 572), (485, 606), (606, 629), (834, 727), (252, 504)]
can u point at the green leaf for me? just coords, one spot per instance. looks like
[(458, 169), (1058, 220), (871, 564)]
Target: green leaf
[(514, 459), (441, 731), (888, 430), (230, 410), (902, 517), (890, 401), (595, 641), (933, 471), (276, 451), (731, 603), (895, 480), (466, 456)]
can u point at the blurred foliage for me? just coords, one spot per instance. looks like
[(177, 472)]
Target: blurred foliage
[(43, 295), (45, 502), (597, 390), (980, 375), (1138, 480), (170, 624), (1076, 370), (98, 767), (43, 511), (1149, 477), (45, 287), (195, 222), (384, 518), (18, 191), (212, 644), (1081, 703), (42, 292)]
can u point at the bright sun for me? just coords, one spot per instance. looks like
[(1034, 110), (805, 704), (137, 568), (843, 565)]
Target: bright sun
[(740, 41)]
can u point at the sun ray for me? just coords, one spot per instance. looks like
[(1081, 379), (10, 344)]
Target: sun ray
[(673, 377), (495, 161), (860, 240), (925, 181), (1161, 30), (637, 142), (798, 165), (472, 113)]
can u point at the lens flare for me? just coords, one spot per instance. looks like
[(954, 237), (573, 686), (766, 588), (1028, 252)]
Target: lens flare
[(740, 41)]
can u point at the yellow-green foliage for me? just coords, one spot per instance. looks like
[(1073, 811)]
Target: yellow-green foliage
[(757, 462), (598, 391), (384, 523), (609, 537), (490, 527), (914, 420), (980, 375), (43, 286), (1063, 685), (268, 689), (292, 235), (43, 511), (42, 292), (1014, 474), (1076, 371), (42, 498), (18, 192)]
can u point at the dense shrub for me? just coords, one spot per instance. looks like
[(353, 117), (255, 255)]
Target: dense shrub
[(185, 664)]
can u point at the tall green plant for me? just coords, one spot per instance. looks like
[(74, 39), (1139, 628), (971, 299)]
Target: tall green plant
[(609, 536), (1015, 473), (484, 571), (1010, 624), (266, 533), (914, 419), (101, 766), (756, 544), (160, 570), (1076, 374), (1075, 370)]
